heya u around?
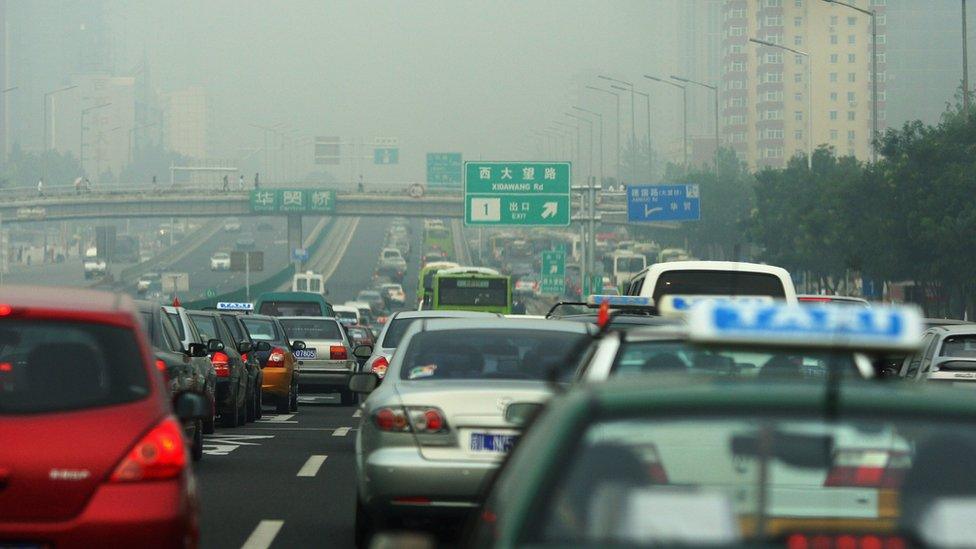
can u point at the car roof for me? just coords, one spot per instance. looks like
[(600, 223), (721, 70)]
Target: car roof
[(937, 322), (345, 309), (716, 266), (64, 299), (443, 324), (445, 314), (330, 318), (955, 329), (309, 297)]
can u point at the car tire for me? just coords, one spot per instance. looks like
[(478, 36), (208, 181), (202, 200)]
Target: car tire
[(293, 400), (347, 397), (209, 424), (242, 410), (197, 450), (283, 403), (258, 403), (228, 418), (249, 403), (365, 526)]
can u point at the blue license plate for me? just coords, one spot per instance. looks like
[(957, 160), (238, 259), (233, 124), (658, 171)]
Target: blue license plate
[(305, 354), (488, 443)]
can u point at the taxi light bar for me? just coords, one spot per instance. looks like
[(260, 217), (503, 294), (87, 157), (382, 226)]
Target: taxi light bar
[(681, 304), (891, 328), (619, 301), (234, 306)]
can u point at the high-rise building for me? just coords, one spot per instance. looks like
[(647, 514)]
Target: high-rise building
[(4, 80), (187, 115), (700, 59), (771, 107)]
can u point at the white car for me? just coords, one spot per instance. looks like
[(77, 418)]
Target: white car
[(220, 261), (394, 292)]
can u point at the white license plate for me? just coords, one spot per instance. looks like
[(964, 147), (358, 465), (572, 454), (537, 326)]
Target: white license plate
[(305, 354), (491, 443)]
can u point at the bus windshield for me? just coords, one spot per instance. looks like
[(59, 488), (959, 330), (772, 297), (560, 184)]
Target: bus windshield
[(478, 292)]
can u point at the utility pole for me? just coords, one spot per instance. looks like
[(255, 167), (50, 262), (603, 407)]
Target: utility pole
[(965, 61), (616, 128), (684, 114), (714, 91)]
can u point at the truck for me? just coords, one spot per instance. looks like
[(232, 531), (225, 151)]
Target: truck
[(94, 265)]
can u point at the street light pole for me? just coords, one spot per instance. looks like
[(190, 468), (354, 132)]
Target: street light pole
[(647, 100), (600, 117), (809, 92), (81, 141), (578, 154), (874, 67), (684, 113), (616, 128), (5, 130), (589, 156), (46, 96), (633, 127), (715, 91)]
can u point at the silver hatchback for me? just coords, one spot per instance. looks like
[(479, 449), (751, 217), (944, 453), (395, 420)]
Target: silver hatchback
[(435, 429)]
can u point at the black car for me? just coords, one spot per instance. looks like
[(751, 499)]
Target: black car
[(184, 369), (229, 366), (249, 350)]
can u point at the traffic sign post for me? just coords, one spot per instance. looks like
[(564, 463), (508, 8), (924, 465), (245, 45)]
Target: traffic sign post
[(293, 201), (517, 193), (299, 255), (650, 203), (386, 156), (444, 169), (553, 276)]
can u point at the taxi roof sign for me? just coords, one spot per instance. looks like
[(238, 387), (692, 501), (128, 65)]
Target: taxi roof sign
[(681, 304), (823, 326), (618, 301), (234, 306)]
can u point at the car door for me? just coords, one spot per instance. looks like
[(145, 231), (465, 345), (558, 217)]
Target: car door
[(913, 362), (930, 351), (230, 349)]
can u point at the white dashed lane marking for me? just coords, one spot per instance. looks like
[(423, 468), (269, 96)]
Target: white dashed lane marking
[(340, 432), (263, 535), (312, 466)]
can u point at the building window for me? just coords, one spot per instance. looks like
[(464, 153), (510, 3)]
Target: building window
[(882, 19), (850, 135), (774, 21), (737, 102), (735, 31), (797, 21), (882, 96), (833, 77), (833, 20), (798, 77), (736, 85), (798, 116), (774, 38), (833, 38), (737, 13), (772, 3), (833, 96), (851, 97), (797, 40), (798, 134), (833, 58), (852, 39), (881, 39), (851, 57), (851, 116), (833, 115), (797, 96), (772, 77), (833, 135), (798, 3), (776, 57), (774, 96), (798, 60), (882, 114), (879, 2), (882, 57), (738, 66), (852, 77), (851, 21)]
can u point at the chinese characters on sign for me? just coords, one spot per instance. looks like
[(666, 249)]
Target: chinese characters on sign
[(517, 193), (292, 201), (444, 169), (648, 203), (553, 275)]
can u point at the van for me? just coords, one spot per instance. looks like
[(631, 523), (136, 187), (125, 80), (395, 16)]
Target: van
[(292, 304), (718, 278)]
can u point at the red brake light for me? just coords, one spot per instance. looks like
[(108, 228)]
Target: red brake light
[(159, 455), (244, 357), (338, 352), (161, 366), (277, 358), (843, 541), (391, 419), (380, 366), (868, 468), (5, 310), (221, 364), (6, 367)]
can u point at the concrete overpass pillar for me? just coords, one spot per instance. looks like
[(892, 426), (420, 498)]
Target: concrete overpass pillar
[(294, 236)]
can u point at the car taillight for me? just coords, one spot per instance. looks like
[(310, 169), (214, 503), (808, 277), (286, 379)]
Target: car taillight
[(221, 364), (159, 455), (427, 420), (380, 366), (161, 366), (391, 419), (653, 459), (868, 468), (420, 419), (277, 358), (338, 352), (844, 541), (244, 357)]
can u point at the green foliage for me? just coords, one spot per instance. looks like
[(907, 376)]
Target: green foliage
[(24, 169), (648, 168)]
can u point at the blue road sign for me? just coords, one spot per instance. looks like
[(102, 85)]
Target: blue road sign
[(386, 155), (647, 203), (299, 254)]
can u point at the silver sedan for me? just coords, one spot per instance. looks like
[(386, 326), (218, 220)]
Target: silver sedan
[(435, 429)]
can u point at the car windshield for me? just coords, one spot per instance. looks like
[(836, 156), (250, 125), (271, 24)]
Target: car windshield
[(260, 329), (61, 366), (679, 357), (304, 329), (488, 354), (963, 346), (206, 325), (711, 480)]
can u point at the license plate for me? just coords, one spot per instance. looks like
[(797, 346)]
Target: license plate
[(492, 444), (305, 353)]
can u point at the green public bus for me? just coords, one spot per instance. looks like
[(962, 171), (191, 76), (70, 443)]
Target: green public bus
[(425, 281), (472, 289)]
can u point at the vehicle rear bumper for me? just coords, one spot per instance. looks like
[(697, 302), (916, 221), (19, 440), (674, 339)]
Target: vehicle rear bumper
[(276, 381), (327, 379), (224, 396), (144, 514), (401, 481)]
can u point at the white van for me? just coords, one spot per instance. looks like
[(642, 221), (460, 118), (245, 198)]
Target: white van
[(721, 278)]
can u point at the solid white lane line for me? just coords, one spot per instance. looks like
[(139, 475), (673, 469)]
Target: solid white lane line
[(358, 413), (263, 535), (312, 466), (340, 431)]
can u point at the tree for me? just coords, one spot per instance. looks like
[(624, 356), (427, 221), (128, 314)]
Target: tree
[(24, 169), (648, 168)]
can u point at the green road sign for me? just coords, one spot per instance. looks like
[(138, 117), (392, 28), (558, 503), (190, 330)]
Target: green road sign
[(444, 169), (293, 201), (386, 155), (553, 276), (517, 193), (211, 292)]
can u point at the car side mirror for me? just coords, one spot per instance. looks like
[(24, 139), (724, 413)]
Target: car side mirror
[(262, 346), (521, 414), (190, 406), (297, 345), (215, 345), (196, 350), (244, 347), (363, 351), (363, 382)]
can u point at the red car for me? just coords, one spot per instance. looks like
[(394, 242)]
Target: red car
[(91, 454)]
